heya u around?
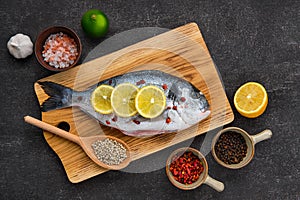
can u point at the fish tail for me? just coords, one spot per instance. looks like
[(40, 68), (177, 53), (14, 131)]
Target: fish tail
[(59, 96)]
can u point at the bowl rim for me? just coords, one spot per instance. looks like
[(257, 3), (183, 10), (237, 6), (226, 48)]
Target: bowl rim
[(40, 41), (196, 184)]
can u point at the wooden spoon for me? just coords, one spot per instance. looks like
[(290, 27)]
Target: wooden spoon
[(84, 142)]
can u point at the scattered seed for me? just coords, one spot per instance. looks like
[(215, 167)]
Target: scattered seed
[(140, 82), (114, 119), (168, 120), (165, 86), (136, 121), (182, 99)]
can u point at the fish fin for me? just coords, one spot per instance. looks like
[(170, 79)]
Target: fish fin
[(59, 96)]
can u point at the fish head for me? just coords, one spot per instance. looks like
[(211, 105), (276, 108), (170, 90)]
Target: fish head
[(192, 106)]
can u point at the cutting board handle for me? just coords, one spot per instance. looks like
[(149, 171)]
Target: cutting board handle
[(52, 129)]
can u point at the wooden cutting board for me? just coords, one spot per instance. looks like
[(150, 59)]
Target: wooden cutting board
[(181, 52)]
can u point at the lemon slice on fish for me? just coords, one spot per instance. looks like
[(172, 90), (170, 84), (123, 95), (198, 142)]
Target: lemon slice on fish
[(150, 101), (100, 99), (123, 99)]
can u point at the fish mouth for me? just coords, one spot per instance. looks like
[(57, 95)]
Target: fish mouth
[(204, 114), (144, 133), (197, 118)]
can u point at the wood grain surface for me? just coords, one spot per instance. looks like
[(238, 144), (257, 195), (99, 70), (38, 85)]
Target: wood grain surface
[(181, 52)]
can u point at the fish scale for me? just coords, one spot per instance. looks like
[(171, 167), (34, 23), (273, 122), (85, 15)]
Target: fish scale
[(190, 103)]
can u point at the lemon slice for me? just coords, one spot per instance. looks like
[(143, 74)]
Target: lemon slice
[(150, 101), (123, 99), (251, 100), (100, 99)]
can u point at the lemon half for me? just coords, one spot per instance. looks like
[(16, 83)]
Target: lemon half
[(251, 100)]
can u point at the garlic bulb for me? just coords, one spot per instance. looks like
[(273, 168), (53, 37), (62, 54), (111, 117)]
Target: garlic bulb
[(20, 46)]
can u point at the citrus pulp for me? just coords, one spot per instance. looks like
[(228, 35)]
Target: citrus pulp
[(100, 99), (123, 99), (251, 99), (150, 101)]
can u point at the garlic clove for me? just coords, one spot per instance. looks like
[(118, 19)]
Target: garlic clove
[(20, 46)]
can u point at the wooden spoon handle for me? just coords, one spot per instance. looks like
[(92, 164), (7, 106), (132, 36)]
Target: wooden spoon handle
[(52, 129)]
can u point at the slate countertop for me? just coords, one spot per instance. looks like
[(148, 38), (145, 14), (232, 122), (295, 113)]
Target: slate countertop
[(248, 41)]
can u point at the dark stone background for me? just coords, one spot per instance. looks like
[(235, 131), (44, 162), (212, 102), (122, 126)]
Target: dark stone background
[(249, 41)]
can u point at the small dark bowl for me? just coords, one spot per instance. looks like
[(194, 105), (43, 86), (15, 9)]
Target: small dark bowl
[(41, 39)]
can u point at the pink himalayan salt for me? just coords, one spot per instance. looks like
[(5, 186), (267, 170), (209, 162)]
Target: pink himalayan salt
[(60, 50)]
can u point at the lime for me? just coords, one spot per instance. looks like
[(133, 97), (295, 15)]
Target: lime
[(94, 23)]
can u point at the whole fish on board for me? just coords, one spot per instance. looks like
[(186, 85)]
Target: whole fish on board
[(185, 104)]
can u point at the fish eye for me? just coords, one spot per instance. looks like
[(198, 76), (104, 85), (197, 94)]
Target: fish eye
[(195, 95)]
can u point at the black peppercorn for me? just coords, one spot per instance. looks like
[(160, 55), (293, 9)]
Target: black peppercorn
[(231, 147)]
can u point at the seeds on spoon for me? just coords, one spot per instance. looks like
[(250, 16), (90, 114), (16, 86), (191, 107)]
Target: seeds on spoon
[(109, 151)]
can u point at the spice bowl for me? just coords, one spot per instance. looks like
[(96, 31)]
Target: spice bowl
[(65, 48), (203, 178), (249, 140)]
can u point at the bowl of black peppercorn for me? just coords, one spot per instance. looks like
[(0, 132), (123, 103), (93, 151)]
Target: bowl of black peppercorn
[(233, 147)]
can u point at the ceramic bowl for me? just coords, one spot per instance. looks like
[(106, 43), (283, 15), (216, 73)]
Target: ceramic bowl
[(250, 142), (41, 39), (204, 177)]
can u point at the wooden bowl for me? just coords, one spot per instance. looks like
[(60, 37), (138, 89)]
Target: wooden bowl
[(204, 177), (251, 140), (41, 39)]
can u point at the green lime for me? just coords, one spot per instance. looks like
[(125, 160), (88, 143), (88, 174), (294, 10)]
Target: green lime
[(94, 23)]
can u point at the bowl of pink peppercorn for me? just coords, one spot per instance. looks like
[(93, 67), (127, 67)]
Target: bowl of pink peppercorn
[(58, 48)]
